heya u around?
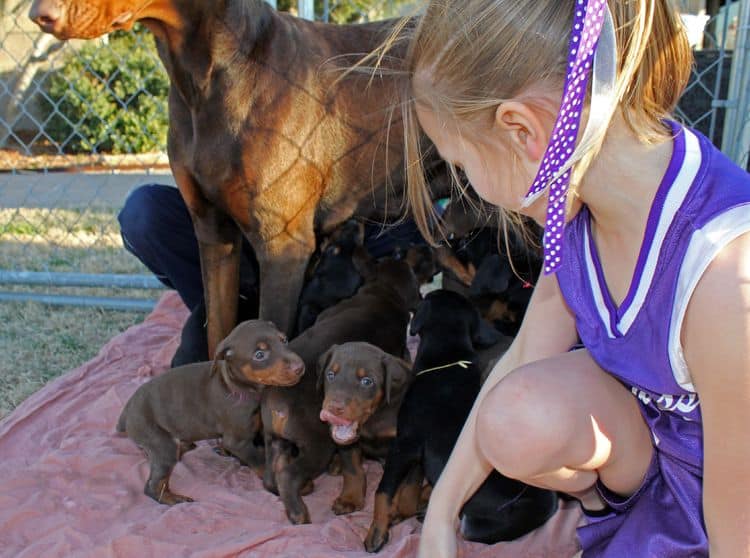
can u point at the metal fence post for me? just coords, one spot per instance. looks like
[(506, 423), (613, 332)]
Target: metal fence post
[(736, 139), (306, 9)]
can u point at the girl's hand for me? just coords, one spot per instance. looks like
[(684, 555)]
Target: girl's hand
[(438, 539)]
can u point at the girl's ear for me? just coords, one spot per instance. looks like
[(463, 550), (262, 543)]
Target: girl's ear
[(522, 124)]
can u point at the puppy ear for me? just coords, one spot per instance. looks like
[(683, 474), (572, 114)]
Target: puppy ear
[(222, 351), (324, 361), (397, 374), (492, 277)]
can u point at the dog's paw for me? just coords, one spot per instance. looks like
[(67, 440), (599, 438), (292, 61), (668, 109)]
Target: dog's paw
[(299, 517), (218, 450), (376, 539), (171, 499), (343, 506)]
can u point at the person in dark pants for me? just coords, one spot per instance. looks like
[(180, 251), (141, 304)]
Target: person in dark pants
[(157, 229)]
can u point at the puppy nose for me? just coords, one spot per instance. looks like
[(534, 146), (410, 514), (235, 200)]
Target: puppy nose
[(336, 407), (45, 13)]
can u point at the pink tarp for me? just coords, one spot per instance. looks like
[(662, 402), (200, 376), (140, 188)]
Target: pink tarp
[(70, 486)]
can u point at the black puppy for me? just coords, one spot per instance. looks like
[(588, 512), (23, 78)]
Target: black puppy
[(335, 276), (494, 269), (430, 420)]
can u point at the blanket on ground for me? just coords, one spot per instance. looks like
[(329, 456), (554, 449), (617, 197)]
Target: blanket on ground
[(70, 486)]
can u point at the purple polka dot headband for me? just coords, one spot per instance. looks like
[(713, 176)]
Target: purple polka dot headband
[(592, 21)]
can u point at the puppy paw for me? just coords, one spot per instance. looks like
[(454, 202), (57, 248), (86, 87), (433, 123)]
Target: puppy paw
[(218, 450), (343, 506), (171, 499), (376, 539), (300, 517)]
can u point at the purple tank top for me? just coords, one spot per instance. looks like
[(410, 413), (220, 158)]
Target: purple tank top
[(701, 205)]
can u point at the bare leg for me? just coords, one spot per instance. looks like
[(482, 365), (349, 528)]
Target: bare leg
[(563, 423)]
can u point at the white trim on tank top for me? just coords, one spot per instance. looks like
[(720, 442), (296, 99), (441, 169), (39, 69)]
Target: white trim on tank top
[(705, 245), (675, 197)]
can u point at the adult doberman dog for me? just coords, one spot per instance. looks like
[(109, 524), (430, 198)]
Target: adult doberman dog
[(264, 140)]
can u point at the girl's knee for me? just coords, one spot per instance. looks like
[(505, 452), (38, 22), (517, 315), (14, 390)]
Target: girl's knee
[(520, 423)]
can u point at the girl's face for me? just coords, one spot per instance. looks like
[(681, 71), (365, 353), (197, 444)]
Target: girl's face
[(490, 166)]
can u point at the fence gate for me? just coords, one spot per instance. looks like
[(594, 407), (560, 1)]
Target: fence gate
[(83, 123)]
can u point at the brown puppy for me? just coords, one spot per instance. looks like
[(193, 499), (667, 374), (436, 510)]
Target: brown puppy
[(265, 138), (298, 444), (209, 400), (363, 388)]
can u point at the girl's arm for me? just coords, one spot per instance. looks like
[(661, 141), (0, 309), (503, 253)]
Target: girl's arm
[(716, 341), (548, 329)]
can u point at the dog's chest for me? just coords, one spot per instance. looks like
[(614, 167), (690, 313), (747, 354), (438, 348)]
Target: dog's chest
[(376, 435)]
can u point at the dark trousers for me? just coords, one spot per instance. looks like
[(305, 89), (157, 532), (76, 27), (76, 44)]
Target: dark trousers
[(156, 227)]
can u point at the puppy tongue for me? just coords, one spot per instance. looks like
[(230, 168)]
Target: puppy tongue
[(345, 433), (327, 416)]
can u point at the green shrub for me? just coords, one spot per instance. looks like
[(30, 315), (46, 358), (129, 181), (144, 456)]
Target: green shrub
[(353, 11), (109, 98)]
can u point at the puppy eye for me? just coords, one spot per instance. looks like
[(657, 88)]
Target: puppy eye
[(366, 382), (284, 341), (260, 355), (330, 375)]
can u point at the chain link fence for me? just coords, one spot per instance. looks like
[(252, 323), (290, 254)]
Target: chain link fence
[(83, 123)]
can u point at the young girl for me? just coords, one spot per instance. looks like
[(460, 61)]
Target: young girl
[(647, 260)]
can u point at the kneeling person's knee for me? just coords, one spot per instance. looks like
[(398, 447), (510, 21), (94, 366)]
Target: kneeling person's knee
[(518, 422)]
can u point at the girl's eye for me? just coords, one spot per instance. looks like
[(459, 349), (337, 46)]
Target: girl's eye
[(260, 355), (366, 382), (330, 375)]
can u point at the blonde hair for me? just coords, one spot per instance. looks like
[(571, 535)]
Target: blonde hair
[(468, 56)]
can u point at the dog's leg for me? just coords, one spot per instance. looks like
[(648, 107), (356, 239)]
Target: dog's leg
[(219, 245), (408, 501), (403, 456), (219, 242), (282, 262), (294, 475), (273, 452), (162, 455), (352, 497)]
